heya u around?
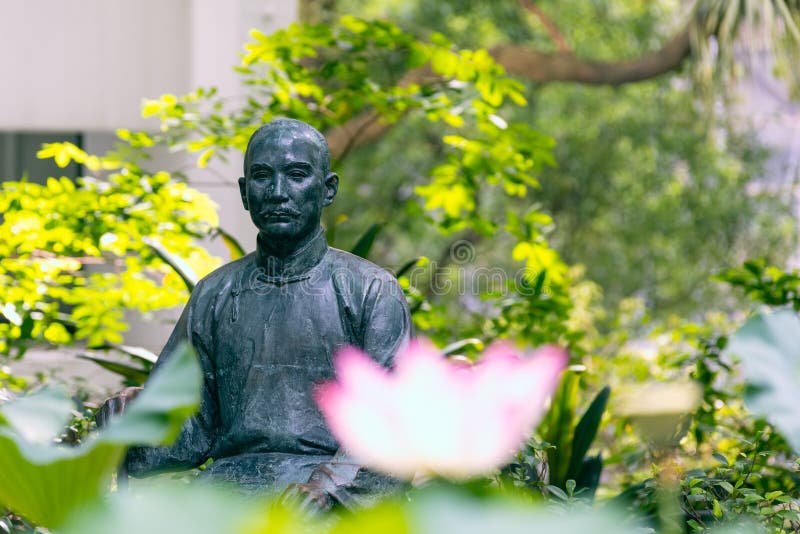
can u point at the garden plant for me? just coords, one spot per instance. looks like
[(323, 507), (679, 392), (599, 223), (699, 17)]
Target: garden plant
[(608, 341)]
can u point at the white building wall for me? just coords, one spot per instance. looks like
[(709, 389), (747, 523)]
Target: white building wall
[(84, 66)]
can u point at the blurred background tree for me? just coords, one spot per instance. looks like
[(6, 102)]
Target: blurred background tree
[(656, 182)]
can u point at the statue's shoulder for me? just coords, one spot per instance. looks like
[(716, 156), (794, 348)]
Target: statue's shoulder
[(341, 259)]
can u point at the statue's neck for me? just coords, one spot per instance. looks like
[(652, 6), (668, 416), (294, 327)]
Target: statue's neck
[(290, 259)]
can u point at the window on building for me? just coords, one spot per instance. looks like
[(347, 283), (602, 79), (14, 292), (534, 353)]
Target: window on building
[(18, 156)]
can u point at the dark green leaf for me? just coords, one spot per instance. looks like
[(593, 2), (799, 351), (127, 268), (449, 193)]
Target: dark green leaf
[(406, 267), (365, 242), (586, 431), (136, 375), (234, 247), (177, 264)]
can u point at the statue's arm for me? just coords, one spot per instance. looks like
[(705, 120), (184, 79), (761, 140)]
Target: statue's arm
[(193, 445), (386, 322)]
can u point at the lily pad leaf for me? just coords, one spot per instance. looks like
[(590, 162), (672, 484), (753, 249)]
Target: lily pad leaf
[(45, 482), (769, 348), (38, 417)]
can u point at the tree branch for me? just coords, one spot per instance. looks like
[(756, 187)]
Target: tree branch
[(567, 67), (552, 30), (366, 127), (536, 66)]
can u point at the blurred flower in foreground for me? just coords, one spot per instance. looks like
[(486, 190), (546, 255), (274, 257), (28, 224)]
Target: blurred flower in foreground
[(431, 416)]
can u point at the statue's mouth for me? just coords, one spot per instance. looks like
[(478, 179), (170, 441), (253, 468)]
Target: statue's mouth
[(281, 214)]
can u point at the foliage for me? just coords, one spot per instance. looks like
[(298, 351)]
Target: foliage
[(330, 75), (646, 194), (643, 177), (75, 256), (765, 283), (569, 471), (46, 482), (205, 510)]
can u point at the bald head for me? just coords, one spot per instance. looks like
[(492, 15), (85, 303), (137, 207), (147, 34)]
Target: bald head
[(287, 182), (278, 128)]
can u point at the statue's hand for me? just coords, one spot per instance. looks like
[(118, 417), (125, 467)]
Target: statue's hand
[(115, 405), (309, 498)]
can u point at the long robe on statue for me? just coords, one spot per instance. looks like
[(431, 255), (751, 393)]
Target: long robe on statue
[(265, 330)]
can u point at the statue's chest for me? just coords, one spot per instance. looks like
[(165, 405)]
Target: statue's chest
[(272, 344), (291, 328)]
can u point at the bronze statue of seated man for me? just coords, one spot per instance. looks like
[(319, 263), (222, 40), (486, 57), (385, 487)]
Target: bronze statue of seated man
[(265, 328)]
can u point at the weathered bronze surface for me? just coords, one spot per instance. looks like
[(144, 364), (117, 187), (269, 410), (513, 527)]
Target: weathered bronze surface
[(265, 328)]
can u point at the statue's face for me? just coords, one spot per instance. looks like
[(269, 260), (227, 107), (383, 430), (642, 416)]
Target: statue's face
[(285, 186)]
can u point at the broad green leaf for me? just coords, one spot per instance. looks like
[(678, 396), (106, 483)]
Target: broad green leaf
[(171, 395), (196, 509), (46, 482), (588, 477), (39, 416), (460, 345), (769, 347), (451, 513), (140, 353), (557, 427)]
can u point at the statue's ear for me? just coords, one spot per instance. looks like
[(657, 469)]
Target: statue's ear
[(331, 187), (243, 191)]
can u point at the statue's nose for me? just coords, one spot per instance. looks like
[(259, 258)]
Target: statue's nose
[(278, 190)]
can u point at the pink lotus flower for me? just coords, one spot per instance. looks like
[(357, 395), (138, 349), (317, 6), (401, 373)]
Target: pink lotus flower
[(431, 416)]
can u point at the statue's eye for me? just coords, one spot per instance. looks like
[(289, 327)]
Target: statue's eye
[(298, 173)]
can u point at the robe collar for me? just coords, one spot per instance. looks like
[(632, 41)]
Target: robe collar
[(293, 267)]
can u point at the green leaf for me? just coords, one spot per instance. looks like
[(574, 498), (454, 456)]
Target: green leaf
[(558, 492), (46, 482), (38, 417), (586, 431), (136, 375), (769, 347), (406, 267), (140, 353), (453, 513), (176, 385), (234, 247), (726, 486), (589, 476), (717, 509), (202, 509), (457, 346), (558, 429), (199, 509), (177, 264), (365, 242)]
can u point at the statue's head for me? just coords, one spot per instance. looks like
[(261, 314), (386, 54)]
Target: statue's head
[(287, 180)]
